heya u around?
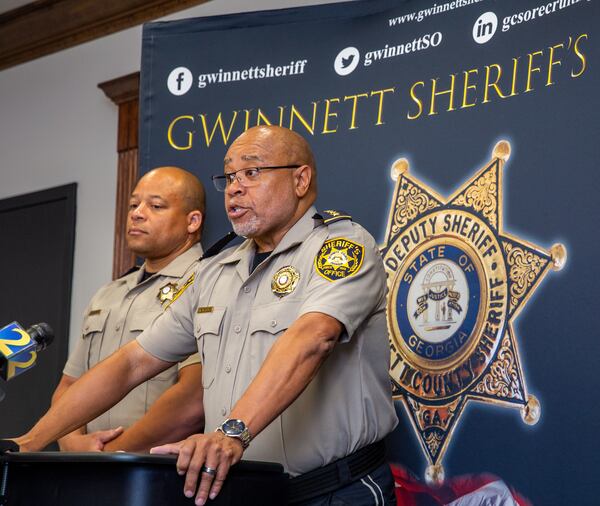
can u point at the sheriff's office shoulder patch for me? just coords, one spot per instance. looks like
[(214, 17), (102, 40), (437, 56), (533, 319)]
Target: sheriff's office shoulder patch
[(339, 258)]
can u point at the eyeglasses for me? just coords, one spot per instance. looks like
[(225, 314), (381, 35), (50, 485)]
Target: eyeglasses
[(246, 177)]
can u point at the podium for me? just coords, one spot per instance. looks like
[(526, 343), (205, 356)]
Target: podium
[(126, 479)]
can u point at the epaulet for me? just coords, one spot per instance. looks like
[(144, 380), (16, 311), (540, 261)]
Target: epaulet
[(133, 269), (219, 245), (330, 216)]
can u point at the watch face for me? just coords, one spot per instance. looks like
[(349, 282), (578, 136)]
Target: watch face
[(234, 427)]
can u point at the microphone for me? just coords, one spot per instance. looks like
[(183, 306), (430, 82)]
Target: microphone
[(19, 348)]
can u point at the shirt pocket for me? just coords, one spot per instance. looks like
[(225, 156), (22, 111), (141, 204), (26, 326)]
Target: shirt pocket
[(267, 323), (139, 322), (207, 331), (93, 333)]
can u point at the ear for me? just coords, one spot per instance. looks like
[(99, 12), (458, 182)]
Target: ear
[(194, 219), (302, 179)]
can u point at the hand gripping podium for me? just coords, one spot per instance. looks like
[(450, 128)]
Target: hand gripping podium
[(126, 479)]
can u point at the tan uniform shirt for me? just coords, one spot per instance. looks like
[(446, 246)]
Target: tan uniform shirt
[(116, 315), (234, 317)]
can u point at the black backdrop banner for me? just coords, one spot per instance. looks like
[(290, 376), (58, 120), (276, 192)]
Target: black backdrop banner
[(463, 135)]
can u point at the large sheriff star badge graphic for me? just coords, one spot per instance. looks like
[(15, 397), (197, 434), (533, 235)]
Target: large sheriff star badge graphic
[(456, 282)]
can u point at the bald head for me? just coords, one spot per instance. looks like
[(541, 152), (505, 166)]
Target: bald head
[(183, 184), (284, 144), (286, 141)]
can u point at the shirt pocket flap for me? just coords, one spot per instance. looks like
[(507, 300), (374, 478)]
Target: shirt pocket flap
[(95, 321), (274, 318), (141, 320), (208, 322), (207, 330)]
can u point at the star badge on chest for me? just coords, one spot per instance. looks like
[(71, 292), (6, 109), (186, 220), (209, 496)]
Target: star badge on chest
[(167, 292)]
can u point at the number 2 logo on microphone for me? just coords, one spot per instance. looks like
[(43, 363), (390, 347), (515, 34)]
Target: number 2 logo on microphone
[(13, 339)]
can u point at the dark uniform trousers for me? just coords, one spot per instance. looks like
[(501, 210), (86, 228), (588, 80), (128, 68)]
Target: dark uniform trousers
[(374, 489)]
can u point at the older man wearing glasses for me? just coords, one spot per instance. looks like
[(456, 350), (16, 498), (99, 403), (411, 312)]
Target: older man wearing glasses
[(291, 327)]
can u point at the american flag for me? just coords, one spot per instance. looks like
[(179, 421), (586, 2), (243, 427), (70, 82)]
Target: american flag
[(470, 490)]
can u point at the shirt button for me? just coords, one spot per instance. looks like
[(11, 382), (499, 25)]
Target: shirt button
[(223, 411), (237, 329), (228, 368), (246, 289), (273, 323), (117, 328)]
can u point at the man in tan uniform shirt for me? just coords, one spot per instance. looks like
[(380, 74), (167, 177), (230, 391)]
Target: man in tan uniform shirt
[(291, 327), (164, 221)]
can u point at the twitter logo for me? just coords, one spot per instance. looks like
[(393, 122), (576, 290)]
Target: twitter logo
[(346, 61)]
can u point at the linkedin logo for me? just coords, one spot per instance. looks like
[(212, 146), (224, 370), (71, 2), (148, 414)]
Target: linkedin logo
[(485, 27), (179, 81)]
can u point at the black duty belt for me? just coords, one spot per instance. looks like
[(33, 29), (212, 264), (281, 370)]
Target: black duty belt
[(338, 474)]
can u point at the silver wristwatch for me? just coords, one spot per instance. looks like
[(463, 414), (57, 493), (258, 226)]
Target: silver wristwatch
[(237, 429)]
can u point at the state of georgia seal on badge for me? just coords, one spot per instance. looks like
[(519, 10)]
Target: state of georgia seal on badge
[(339, 258), (456, 280)]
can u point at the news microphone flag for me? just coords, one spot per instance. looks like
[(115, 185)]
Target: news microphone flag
[(17, 351)]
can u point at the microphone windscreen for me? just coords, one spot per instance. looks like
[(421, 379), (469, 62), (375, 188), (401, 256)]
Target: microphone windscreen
[(42, 334)]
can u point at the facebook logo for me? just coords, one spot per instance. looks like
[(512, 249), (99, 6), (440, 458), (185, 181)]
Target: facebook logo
[(179, 81)]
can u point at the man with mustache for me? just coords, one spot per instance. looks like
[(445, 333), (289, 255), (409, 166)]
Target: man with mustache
[(292, 333), (166, 212)]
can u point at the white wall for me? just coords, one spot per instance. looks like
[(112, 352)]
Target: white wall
[(57, 127)]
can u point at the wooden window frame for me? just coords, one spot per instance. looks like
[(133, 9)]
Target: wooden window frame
[(124, 92)]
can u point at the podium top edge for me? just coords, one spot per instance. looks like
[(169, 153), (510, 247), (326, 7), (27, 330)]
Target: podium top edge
[(124, 458), (96, 457)]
